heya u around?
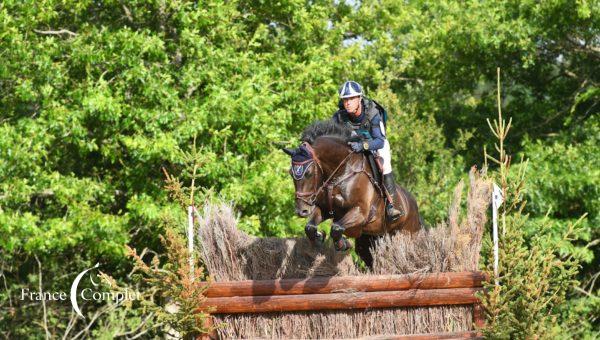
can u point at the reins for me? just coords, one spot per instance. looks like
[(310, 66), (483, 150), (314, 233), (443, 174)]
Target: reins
[(311, 196), (299, 169), (331, 185)]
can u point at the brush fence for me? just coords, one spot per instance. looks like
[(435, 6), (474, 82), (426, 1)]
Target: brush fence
[(347, 292)]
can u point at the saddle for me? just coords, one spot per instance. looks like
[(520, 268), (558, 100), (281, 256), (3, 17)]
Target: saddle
[(376, 164)]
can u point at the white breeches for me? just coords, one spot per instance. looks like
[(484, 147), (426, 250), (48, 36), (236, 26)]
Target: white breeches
[(385, 153), (387, 157)]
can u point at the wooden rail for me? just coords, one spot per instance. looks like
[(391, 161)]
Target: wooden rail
[(338, 301), (431, 336), (326, 285), (350, 292)]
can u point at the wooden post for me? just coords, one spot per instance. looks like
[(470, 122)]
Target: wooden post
[(478, 316), (210, 322)]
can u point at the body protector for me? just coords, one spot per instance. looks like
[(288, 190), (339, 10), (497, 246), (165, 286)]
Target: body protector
[(370, 127)]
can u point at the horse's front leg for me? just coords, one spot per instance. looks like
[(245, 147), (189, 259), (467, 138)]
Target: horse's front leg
[(351, 225), (313, 234)]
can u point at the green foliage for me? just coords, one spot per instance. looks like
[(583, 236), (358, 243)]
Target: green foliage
[(534, 283), (566, 185), (528, 296), (173, 290), (97, 97)]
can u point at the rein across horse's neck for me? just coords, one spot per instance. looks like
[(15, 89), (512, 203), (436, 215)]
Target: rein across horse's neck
[(328, 182)]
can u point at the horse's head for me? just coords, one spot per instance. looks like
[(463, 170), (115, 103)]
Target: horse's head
[(306, 171)]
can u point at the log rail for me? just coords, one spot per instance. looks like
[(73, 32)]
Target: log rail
[(325, 285), (346, 292)]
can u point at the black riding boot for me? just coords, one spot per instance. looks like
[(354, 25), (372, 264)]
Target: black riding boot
[(390, 187)]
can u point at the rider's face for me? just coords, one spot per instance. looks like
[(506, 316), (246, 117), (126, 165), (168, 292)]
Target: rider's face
[(352, 104)]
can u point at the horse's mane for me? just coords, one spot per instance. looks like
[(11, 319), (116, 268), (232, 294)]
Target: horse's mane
[(326, 128)]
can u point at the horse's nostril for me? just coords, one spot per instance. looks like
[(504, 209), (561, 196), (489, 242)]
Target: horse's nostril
[(305, 212)]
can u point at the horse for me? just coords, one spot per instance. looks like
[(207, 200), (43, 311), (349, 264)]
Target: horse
[(333, 182)]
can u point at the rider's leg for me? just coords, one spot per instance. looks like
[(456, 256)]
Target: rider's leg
[(389, 183)]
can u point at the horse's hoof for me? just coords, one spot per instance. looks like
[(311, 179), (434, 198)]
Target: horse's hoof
[(319, 239), (321, 236), (311, 232), (342, 245)]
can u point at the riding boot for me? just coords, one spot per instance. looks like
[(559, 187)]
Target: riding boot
[(390, 187)]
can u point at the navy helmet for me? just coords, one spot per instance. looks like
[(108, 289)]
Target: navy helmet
[(350, 89)]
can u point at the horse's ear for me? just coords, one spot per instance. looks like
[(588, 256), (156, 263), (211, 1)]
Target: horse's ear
[(290, 152)]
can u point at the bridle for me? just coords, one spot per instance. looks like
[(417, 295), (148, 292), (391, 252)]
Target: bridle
[(310, 197)]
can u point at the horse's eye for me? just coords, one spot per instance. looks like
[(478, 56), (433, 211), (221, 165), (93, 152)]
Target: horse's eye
[(308, 174)]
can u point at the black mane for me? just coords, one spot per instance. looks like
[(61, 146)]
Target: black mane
[(326, 128)]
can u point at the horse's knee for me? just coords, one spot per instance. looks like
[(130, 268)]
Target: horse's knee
[(337, 231)]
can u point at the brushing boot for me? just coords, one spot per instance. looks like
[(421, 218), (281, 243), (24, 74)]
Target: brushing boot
[(390, 186)]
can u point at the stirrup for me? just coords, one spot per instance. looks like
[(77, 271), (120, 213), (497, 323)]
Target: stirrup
[(393, 213)]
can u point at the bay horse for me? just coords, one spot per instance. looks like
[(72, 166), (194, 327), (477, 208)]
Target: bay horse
[(332, 182)]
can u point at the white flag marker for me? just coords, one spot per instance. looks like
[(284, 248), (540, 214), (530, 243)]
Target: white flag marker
[(497, 200)]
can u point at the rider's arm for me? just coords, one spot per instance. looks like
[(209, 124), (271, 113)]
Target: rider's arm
[(378, 138)]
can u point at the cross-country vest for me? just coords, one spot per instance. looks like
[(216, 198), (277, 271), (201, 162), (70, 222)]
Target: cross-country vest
[(371, 109)]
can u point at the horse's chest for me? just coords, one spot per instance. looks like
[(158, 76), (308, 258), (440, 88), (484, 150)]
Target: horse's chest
[(338, 199), (347, 195)]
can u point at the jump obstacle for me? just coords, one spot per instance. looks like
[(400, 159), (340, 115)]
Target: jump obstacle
[(350, 292)]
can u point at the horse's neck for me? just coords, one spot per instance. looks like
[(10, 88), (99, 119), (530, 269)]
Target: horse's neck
[(331, 153)]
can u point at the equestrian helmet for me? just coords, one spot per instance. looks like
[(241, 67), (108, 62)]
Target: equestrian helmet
[(350, 89)]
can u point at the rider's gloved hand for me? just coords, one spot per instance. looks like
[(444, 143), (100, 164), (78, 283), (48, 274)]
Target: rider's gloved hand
[(356, 146)]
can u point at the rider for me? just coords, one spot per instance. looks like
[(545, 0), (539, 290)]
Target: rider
[(363, 116)]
